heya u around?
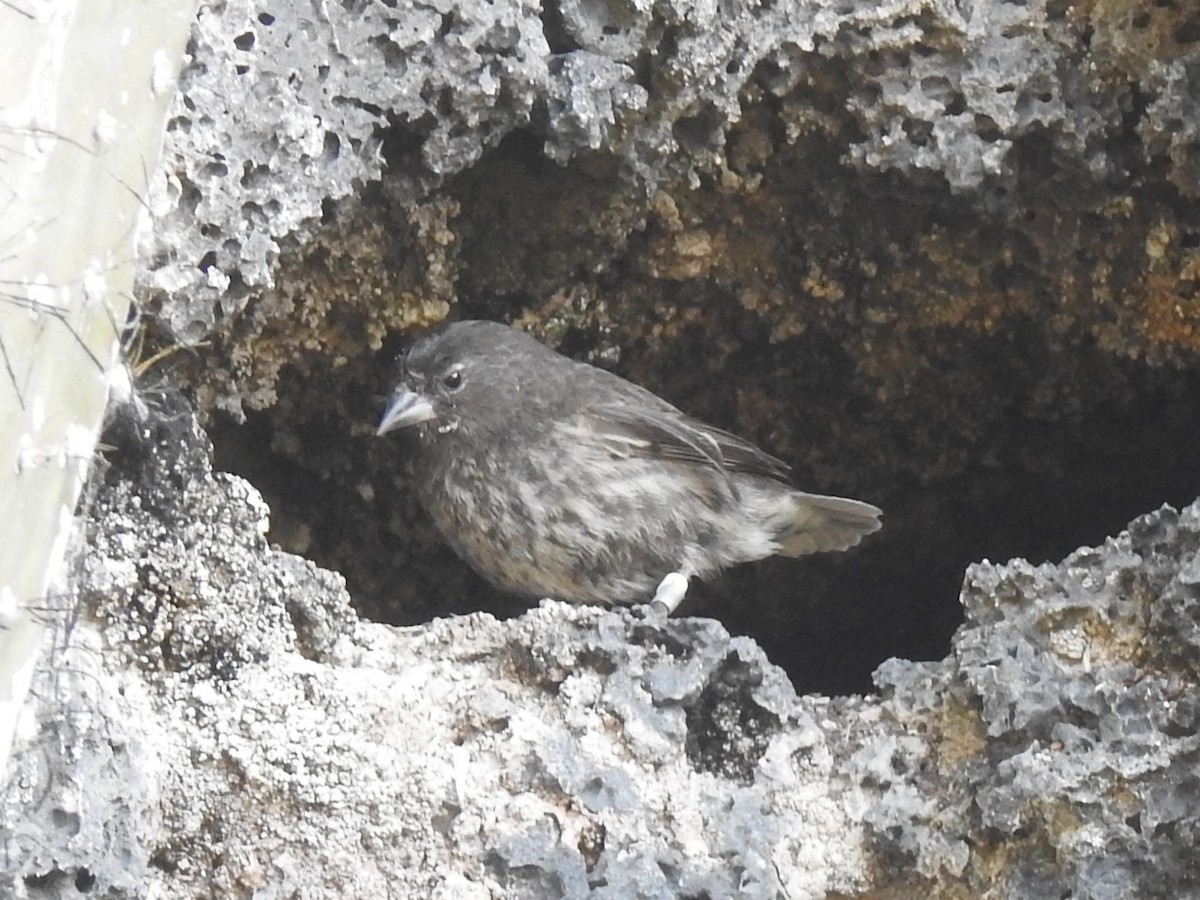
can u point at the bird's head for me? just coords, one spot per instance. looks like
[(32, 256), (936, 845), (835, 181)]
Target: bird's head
[(467, 375)]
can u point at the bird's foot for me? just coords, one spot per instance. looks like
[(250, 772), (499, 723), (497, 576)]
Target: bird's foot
[(670, 592)]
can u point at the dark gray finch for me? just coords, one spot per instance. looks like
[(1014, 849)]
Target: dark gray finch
[(553, 478)]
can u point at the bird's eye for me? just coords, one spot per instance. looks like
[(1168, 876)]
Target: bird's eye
[(453, 379)]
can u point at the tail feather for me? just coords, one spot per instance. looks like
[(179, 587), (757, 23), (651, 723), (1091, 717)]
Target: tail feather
[(827, 523)]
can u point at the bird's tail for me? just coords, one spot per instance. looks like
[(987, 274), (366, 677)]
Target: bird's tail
[(826, 523)]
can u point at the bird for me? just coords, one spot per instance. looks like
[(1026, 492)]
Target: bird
[(554, 478)]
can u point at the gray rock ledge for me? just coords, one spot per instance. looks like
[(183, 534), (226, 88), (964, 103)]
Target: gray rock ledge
[(216, 722)]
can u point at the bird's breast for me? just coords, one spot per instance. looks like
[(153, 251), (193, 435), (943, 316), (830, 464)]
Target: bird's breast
[(543, 523)]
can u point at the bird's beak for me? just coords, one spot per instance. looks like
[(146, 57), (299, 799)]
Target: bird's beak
[(407, 408)]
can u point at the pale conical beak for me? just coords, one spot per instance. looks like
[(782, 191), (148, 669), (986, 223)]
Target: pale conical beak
[(406, 408)]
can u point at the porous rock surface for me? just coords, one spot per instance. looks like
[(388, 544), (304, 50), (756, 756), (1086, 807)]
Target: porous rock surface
[(1056, 123), (216, 722), (919, 249), (963, 199)]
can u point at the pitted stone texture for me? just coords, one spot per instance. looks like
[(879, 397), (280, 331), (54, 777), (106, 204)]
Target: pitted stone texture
[(217, 726), (1070, 719), (180, 600), (283, 109), (451, 761), (1172, 122), (215, 723)]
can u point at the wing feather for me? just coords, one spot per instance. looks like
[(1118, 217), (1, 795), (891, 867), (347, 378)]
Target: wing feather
[(634, 430)]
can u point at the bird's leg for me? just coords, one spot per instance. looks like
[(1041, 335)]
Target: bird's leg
[(670, 592)]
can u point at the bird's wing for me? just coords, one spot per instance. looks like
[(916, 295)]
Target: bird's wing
[(743, 457), (635, 430)]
